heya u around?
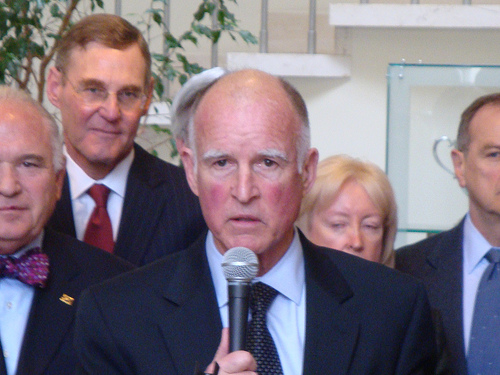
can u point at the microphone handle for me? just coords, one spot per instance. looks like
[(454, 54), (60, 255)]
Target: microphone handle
[(239, 294)]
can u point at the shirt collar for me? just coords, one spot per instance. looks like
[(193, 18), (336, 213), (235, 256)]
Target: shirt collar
[(475, 246), (116, 180), (292, 263)]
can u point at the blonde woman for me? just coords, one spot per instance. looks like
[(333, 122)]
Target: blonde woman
[(352, 208)]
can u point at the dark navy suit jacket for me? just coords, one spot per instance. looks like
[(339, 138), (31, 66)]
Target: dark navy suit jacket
[(48, 341), (438, 262), (361, 318), (160, 213)]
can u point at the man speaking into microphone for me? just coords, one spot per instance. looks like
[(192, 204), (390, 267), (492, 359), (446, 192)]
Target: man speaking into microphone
[(244, 140)]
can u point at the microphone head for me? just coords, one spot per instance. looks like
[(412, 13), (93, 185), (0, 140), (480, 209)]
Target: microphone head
[(240, 264)]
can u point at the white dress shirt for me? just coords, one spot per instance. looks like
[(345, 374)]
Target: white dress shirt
[(15, 305), (82, 202), (287, 315), (475, 247)]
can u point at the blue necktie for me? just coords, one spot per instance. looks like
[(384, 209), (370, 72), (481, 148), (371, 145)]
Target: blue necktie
[(484, 345), (259, 341)]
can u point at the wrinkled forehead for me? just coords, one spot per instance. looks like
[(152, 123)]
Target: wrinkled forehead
[(485, 125), (248, 84), (243, 96), (19, 119), (261, 121), (120, 61)]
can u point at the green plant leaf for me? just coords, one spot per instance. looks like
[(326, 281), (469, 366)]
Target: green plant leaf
[(55, 11), (248, 37)]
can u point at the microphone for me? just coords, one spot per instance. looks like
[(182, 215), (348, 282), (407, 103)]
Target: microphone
[(240, 265)]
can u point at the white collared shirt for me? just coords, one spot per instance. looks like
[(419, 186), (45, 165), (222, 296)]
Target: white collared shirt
[(287, 315), (475, 247), (16, 299), (82, 202)]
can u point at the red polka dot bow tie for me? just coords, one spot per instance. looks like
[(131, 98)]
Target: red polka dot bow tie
[(31, 268)]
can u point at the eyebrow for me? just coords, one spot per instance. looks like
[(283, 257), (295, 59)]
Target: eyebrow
[(96, 82), (32, 157), (273, 153), (214, 154), (491, 145), (268, 153)]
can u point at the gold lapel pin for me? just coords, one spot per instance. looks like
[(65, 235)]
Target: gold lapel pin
[(67, 299)]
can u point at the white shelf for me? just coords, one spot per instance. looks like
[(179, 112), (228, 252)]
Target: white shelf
[(344, 16), (415, 16), (292, 64)]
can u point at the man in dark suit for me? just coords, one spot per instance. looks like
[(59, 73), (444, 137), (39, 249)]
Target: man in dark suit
[(102, 85), (244, 141), (452, 263), (42, 272)]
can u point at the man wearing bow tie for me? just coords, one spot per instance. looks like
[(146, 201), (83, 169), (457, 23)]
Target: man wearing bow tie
[(42, 272)]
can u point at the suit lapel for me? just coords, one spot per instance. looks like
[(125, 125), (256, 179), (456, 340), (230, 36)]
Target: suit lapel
[(62, 218), (141, 208), (3, 366), (190, 298), (446, 276), (50, 318), (328, 323)]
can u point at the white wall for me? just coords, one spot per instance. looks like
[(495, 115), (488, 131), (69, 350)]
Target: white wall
[(348, 115)]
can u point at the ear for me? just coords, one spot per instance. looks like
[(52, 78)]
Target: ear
[(149, 96), (54, 86), (187, 157), (309, 169), (458, 158)]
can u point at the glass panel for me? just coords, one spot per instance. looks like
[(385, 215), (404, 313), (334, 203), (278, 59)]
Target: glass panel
[(424, 107)]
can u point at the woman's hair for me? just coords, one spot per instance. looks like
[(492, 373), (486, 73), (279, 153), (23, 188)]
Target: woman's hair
[(333, 173)]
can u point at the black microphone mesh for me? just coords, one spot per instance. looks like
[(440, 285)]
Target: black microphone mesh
[(240, 264)]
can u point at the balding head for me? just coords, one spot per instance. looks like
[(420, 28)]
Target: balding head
[(254, 86), (248, 160)]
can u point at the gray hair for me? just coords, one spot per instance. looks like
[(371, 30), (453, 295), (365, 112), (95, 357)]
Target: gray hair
[(8, 93), (187, 99), (189, 96)]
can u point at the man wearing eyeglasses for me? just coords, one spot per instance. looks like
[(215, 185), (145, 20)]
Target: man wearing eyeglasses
[(116, 195)]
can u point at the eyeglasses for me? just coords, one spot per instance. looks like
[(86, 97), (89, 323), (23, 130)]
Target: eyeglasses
[(93, 94)]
